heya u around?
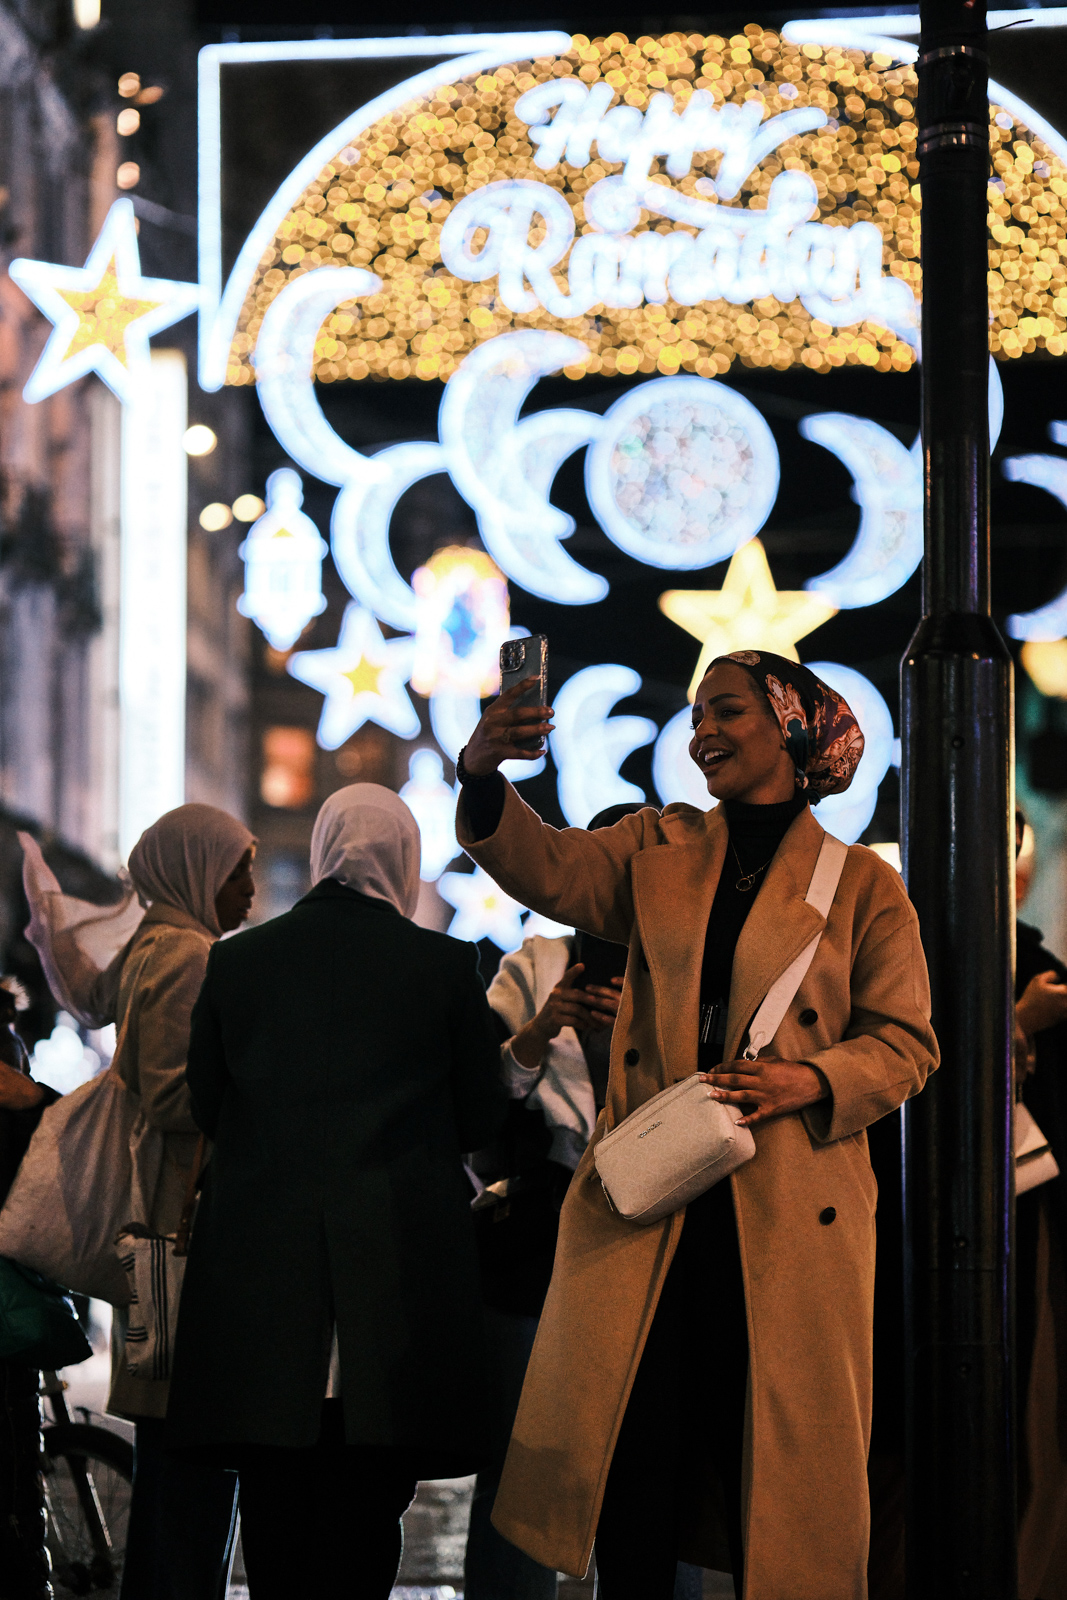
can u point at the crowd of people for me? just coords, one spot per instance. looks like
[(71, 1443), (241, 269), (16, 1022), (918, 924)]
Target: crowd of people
[(405, 1263)]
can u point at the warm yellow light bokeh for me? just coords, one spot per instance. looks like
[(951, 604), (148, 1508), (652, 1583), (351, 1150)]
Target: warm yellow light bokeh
[(1046, 662), (382, 205)]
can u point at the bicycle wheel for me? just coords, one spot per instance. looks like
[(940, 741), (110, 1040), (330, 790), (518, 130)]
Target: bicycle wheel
[(88, 1478)]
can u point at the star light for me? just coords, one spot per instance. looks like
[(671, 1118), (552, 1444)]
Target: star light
[(362, 677), (483, 910), (103, 314), (747, 613)]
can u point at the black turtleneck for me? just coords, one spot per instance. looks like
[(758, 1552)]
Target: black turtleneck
[(755, 834)]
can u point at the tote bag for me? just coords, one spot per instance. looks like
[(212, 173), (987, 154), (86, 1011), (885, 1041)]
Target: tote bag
[(92, 1164), (154, 1264)]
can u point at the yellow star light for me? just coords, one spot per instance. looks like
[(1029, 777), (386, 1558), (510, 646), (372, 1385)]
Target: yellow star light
[(364, 677), (747, 613), (104, 314)]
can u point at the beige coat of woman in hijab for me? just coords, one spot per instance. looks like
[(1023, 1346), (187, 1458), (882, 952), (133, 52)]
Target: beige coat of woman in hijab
[(180, 867)]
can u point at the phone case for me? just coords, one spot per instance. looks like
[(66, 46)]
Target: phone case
[(521, 659)]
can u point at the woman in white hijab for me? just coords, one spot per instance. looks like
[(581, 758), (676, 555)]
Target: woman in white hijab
[(342, 1059), (192, 871)]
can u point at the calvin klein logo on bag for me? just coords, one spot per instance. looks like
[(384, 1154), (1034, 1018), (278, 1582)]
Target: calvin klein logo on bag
[(650, 1129)]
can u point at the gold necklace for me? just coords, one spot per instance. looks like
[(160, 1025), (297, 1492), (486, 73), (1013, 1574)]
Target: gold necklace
[(747, 881)]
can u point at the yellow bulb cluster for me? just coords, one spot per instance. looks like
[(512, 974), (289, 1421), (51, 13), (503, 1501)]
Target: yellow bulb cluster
[(382, 206)]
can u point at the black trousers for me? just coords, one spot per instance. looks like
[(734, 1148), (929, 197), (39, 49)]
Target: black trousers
[(325, 1520), (685, 1420), (23, 1563), (183, 1515)]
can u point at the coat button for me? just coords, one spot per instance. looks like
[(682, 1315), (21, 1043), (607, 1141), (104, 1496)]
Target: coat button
[(827, 1216), (632, 1057), (807, 1017)]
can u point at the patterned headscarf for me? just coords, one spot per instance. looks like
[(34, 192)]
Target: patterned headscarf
[(820, 731)]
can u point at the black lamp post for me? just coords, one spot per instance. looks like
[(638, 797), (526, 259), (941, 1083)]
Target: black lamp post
[(957, 710)]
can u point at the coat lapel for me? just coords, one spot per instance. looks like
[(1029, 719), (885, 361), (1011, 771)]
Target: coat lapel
[(778, 927), (674, 886)]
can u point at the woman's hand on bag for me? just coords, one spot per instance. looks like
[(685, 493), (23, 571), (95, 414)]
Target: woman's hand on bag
[(17, 1091), (1043, 1003), (566, 1007), (772, 1088), (504, 721)]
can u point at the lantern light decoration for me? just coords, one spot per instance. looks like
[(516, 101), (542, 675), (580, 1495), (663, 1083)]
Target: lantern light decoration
[(462, 619), (283, 564)]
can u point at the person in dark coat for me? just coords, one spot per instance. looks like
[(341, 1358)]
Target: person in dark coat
[(24, 1563), (341, 1059)]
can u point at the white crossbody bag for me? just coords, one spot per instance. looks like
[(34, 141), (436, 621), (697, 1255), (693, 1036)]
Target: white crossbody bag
[(682, 1141)]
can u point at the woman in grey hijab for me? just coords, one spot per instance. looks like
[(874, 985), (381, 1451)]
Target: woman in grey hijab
[(190, 880), (342, 1059)]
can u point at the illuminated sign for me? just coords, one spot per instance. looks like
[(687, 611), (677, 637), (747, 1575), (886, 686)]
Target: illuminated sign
[(678, 203)]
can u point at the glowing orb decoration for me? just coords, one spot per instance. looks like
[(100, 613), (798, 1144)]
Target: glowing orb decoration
[(847, 815), (747, 613), (103, 314), (483, 910), (589, 745), (1049, 623), (362, 677), (684, 472), (432, 803), (674, 772), (462, 619), (283, 564), (680, 203)]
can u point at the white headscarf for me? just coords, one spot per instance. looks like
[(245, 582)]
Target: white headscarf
[(182, 860), (185, 858), (366, 837)]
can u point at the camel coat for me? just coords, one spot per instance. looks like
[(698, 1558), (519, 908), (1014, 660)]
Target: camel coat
[(805, 1204), (161, 976)]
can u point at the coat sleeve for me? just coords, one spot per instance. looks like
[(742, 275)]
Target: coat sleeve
[(168, 986), (478, 1093), (889, 1047), (206, 1072), (567, 874)]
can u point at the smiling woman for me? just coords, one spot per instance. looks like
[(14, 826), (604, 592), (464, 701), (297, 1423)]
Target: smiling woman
[(714, 908)]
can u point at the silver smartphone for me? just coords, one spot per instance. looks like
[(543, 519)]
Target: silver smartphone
[(521, 659)]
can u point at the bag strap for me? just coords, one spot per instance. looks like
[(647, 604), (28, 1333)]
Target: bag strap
[(821, 891), (181, 1237)]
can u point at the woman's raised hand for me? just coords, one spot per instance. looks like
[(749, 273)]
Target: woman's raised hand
[(504, 721)]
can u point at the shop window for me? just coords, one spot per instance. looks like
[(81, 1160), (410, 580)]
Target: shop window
[(288, 773)]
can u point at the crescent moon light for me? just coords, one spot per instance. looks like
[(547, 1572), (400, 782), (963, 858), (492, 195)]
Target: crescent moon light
[(589, 745), (1048, 473), (504, 468), (888, 488), (370, 485)]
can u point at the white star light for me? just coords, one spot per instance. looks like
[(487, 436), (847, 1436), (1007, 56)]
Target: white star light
[(103, 314), (483, 910), (363, 679)]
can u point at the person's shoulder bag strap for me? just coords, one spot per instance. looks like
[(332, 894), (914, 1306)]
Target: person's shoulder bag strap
[(821, 891)]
